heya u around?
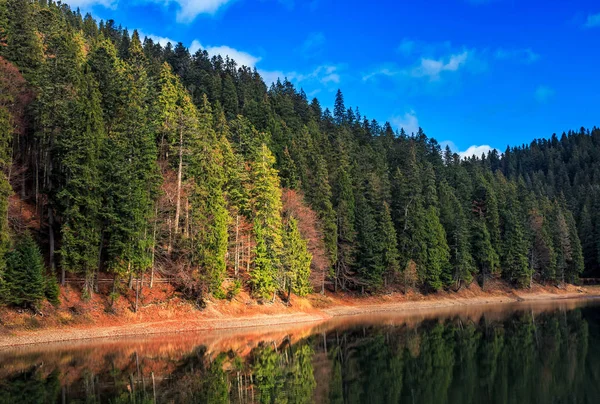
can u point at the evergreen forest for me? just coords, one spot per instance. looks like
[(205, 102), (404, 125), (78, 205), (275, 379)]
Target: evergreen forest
[(122, 157)]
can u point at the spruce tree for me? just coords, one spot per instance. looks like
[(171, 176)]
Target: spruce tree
[(209, 210), (587, 237), (266, 203), (24, 47), (130, 170), (388, 243), (296, 260), (80, 196), (24, 275)]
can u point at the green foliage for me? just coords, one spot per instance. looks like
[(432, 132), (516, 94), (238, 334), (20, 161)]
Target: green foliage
[(138, 156), (234, 289), (266, 201), (24, 279), (52, 289), (80, 196), (296, 260), (210, 218)]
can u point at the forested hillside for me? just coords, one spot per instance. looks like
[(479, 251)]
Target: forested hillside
[(123, 157)]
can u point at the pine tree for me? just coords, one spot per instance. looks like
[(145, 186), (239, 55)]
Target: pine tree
[(339, 109), (80, 196), (346, 216), (296, 260), (576, 265), (24, 46), (542, 255), (486, 258), (266, 202), (455, 222), (229, 98), (437, 259), (209, 210), (24, 275), (514, 261), (587, 237), (369, 265), (562, 243), (515, 265), (130, 170), (320, 195), (388, 243), (409, 213)]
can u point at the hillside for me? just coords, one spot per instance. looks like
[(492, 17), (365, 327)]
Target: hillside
[(122, 159)]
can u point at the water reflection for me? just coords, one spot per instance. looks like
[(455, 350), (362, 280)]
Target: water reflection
[(527, 354)]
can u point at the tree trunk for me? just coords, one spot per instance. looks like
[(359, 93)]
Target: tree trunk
[(153, 247), (179, 175), (51, 244), (137, 293), (236, 259)]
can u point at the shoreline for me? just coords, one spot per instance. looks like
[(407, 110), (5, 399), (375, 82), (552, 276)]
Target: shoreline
[(340, 309)]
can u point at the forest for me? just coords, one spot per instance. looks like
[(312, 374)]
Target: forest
[(125, 158)]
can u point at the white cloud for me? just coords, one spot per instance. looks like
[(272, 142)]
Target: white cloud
[(543, 94), (592, 21), (324, 74), (88, 3), (450, 144), (242, 58), (432, 68), (270, 77), (188, 10), (476, 151), (384, 71), (526, 56), (162, 40), (409, 122), (428, 68)]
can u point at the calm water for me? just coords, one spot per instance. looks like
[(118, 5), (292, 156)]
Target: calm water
[(515, 354)]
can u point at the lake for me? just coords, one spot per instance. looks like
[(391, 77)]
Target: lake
[(519, 353)]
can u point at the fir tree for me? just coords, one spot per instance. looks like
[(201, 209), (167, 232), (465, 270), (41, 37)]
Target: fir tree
[(296, 260), (388, 243), (81, 196), (24, 276), (266, 202), (209, 210)]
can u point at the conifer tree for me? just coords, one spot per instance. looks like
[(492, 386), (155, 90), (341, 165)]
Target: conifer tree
[(369, 265), (514, 262), (388, 243), (346, 211), (296, 260), (542, 255), (80, 196), (562, 242), (131, 174), (486, 258), (209, 210), (437, 259), (455, 222), (576, 266), (587, 237), (24, 47), (24, 276), (266, 202)]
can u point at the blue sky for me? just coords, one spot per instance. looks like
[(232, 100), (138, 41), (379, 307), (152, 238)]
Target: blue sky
[(471, 72)]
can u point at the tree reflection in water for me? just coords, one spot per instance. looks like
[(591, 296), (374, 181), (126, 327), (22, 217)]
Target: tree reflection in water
[(523, 357)]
